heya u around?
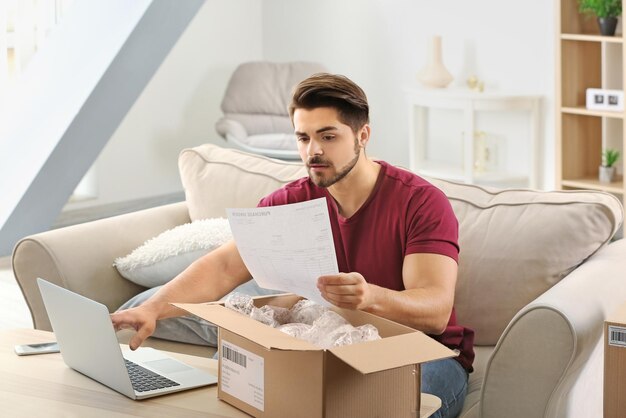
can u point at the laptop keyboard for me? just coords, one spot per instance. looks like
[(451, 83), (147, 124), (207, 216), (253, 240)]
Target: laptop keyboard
[(144, 380)]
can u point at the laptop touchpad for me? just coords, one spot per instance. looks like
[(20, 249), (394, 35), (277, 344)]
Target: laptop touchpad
[(167, 366)]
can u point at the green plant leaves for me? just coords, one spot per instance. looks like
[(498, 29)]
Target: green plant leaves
[(601, 8)]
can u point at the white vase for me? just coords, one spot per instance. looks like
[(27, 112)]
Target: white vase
[(606, 174), (435, 74)]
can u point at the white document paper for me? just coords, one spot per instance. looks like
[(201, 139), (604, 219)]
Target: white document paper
[(286, 247)]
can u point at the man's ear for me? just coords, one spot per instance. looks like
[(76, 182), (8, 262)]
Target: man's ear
[(364, 135)]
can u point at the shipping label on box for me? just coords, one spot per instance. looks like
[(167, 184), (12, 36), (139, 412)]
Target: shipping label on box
[(242, 374), (615, 364), (617, 336)]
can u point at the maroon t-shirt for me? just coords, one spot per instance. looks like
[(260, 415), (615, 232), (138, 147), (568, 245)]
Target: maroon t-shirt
[(403, 215)]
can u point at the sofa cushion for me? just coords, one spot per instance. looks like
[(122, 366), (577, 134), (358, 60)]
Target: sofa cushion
[(496, 227), (516, 244), (160, 259), (217, 178)]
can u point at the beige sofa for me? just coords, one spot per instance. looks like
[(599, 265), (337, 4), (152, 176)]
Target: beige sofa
[(537, 275)]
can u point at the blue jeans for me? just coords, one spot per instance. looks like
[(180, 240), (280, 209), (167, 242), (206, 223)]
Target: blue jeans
[(191, 329), (447, 380)]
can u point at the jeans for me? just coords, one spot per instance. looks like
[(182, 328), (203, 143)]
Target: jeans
[(447, 380), (191, 329)]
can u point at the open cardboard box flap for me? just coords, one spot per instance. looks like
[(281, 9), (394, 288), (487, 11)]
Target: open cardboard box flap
[(247, 327), (391, 352)]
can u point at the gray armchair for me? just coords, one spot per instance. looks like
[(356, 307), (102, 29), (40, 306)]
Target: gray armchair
[(255, 107)]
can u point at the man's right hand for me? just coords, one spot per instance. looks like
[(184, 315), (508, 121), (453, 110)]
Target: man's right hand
[(208, 278), (142, 319)]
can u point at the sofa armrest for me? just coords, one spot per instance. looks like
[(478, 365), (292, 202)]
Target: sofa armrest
[(544, 351), (80, 257)]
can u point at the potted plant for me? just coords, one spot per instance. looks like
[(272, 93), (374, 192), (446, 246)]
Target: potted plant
[(607, 169), (606, 12)]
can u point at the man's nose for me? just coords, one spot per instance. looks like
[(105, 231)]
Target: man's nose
[(315, 148)]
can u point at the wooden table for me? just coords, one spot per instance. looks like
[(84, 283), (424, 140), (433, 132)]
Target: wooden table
[(42, 385)]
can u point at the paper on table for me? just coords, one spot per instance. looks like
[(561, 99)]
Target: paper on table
[(286, 247)]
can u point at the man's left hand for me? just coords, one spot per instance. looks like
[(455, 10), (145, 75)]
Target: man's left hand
[(346, 290)]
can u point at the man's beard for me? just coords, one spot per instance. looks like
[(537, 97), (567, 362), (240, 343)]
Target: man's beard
[(321, 182)]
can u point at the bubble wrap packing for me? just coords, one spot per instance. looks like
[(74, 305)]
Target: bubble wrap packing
[(306, 320)]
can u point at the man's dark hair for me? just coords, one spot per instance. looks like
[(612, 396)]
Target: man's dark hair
[(336, 91)]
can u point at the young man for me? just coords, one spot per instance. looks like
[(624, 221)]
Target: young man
[(395, 237)]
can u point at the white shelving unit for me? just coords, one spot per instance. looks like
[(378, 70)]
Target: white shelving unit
[(585, 59), (473, 167)]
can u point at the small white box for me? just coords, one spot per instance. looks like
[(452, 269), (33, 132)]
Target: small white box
[(603, 99)]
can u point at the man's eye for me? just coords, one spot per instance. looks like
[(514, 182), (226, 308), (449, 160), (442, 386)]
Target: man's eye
[(328, 137), (303, 138)]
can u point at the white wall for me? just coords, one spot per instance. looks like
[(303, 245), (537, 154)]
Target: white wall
[(4, 69), (382, 44), (34, 95), (66, 105), (179, 106)]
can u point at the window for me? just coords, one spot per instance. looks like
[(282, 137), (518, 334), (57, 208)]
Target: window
[(24, 26)]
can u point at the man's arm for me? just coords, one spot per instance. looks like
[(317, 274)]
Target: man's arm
[(426, 304), (208, 278)]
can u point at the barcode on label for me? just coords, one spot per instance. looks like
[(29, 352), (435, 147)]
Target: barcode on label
[(234, 356), (617, 336)]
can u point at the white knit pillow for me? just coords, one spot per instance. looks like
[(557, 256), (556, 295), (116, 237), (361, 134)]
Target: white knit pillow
[(163, 257)]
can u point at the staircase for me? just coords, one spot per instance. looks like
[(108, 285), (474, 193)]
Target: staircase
[(71, 98)]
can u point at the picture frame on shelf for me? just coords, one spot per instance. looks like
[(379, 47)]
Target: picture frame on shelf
[(604, 99)]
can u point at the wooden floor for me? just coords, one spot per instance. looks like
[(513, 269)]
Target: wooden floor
[(13, 310)]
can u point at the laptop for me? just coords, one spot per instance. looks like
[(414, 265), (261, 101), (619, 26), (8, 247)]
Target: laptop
[(89, 345)]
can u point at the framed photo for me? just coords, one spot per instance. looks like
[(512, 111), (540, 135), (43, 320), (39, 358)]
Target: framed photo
[(603, 99)]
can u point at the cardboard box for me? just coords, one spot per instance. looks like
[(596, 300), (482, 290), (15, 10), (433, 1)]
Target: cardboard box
[(615, 364), (267, 373)]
